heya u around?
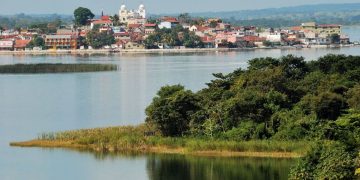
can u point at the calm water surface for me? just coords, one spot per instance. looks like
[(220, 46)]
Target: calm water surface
[(32, 104)]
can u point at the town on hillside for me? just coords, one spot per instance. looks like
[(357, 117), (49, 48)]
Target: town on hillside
[(132, 29)]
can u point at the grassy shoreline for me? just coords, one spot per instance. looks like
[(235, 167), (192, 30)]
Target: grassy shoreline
[(132, 139)]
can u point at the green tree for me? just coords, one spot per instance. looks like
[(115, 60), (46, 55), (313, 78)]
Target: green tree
[(184, 18), (37, 41), (213, 24), (172, 109), (115, 19), (267, 43), (335, 38), (98, 39), (330, 161), (82, 15), (354, 97), (329, 105), (192, 41)]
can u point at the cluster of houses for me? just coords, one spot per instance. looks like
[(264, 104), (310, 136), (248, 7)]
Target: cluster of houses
[(133, 28)]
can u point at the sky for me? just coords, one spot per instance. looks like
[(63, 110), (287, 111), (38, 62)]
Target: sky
[(153, 6)]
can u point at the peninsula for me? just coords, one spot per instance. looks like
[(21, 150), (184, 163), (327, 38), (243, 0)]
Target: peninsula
[(277, 107)]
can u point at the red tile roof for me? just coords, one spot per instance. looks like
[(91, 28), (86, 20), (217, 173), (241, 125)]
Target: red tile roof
[(202, 28), (21, 43), (150, 25), (134, 25), (296, 28), (102, 22), (253, 38), (207, 39), (105, 18), (169, 19)]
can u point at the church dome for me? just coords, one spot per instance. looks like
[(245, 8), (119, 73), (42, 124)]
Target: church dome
[(142, 7), (123, 7)]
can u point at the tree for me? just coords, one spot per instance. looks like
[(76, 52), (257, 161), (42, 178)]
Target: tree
[(335, 38), (213, 24), (329, 105), (184, 18), (192, 41), (98, 39), (82, 15), (172, 109), (332, 161), (151, 41), (37, 41), (354, 97), (267, 43), (115, 20)]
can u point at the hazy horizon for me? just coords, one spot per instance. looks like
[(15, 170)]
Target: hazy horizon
[(67, 7)]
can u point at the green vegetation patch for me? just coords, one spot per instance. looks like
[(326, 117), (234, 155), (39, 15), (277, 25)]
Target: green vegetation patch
[(55, 68), (275, 99)]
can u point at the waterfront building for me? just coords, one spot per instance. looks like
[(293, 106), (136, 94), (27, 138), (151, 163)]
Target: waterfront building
[(168, 22), (104, 21), (150, 28), (62, 42), (323, 30), (7, 45)]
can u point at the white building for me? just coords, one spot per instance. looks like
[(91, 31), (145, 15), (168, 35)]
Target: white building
[(126, 15)]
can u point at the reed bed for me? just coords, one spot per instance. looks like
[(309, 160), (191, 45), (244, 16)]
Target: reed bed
[(134, 138), (55, 68)]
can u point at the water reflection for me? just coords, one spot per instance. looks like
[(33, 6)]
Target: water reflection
[(181, 167), (212, 168)]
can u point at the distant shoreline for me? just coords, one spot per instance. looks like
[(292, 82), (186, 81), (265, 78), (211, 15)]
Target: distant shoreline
[(154, 51)]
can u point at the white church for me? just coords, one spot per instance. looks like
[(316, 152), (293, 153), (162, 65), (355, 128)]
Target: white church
[(132, 16)]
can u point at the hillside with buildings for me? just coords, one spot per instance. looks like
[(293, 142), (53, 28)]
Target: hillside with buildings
[(345, 14), (133, 29)]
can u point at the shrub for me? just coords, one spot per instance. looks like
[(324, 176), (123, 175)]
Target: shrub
[(326, 161)]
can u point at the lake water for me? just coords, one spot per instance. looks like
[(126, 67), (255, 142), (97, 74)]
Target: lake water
[(32, 104)]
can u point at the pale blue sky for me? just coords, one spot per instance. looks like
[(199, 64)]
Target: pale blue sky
[(153, 6)]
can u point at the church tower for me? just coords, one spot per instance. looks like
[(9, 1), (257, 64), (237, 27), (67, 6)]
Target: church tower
[(123, 14), (142, 11)]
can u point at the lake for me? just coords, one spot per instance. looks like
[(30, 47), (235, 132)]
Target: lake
[(33, 104)]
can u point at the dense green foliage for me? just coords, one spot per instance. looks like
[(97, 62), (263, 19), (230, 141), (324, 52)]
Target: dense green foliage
[(82, 15), (97, 39), (172, 110), (177, 36), (55, 68), (37, 41), (280, 99)]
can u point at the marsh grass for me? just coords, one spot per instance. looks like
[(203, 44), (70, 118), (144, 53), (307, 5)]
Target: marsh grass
[(55, 68), (133, 138)]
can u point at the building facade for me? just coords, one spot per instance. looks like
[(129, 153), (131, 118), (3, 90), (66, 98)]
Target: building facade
[(62, 42), (126, 15)]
